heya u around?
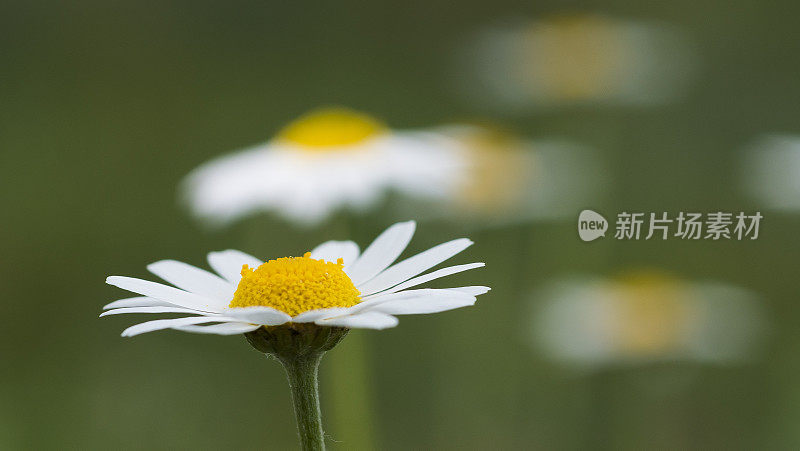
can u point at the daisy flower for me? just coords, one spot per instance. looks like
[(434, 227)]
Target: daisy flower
[(328, 159), (334, 285), (646, 317), (297, 308), (504, 178), (577, 59)]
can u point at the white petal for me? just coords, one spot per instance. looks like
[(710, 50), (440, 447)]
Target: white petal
[(120, 311), (258, 315), (414, 265), (220, 329), (160, 324), (138, 301), (332, 250), (423, 304), (195, 280), (311, 316), (367, 320), (382, 252), (430, 276), (229, 263), (165, 293), (381, 297), (411, 302), (473, 291)]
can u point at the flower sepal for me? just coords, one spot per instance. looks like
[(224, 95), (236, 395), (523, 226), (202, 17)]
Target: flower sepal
[(295, 340)]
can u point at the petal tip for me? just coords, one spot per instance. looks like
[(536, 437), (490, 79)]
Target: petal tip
[(410, 224), (154, 266)]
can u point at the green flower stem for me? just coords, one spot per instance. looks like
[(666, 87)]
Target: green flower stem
[(300, 347), (303, 382)]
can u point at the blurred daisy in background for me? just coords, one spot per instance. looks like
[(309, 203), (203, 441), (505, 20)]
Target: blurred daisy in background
[(646, 317), (334, 285), (328, 159), (503, 178), (575, 59), (771, 172)]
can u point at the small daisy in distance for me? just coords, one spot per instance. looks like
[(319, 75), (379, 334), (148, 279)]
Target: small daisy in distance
[(334, 285), (576, 58), (506, 178), (327, 160), (643, 316)]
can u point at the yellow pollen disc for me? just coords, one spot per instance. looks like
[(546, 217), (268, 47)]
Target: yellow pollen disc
[(500, 168), (655, 310), (331, 127), (294, 285), (595, 50)]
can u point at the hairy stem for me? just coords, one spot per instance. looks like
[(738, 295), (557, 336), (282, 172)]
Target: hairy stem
[(302, 374)]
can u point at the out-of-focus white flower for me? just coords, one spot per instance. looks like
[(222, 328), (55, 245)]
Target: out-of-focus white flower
[(577, 58), (771, 172), (334, 285), (503, 178), (645, 317), (329, 159)]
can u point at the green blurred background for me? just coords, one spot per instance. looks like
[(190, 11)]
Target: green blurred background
[(106, 105)]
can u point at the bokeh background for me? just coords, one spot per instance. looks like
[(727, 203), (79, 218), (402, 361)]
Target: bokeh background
[(105, 106)]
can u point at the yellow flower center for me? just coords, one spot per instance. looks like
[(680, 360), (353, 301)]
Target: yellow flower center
[(294, 285), (499, 171), (580, 56), (328, 128), (654, 313)]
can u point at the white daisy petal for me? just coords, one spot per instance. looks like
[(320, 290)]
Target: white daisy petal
[(220, 329), (120, 311), (384, 297), (160, 324), (165, 293), (234, 185), (367, 320), (332, 250), (428, 277), (423, 304), (412, 266), (193, 279), (267, 316), (311, 316), (425, 300), (229, 263), (382, 252), (473, 291), (138, 301)]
